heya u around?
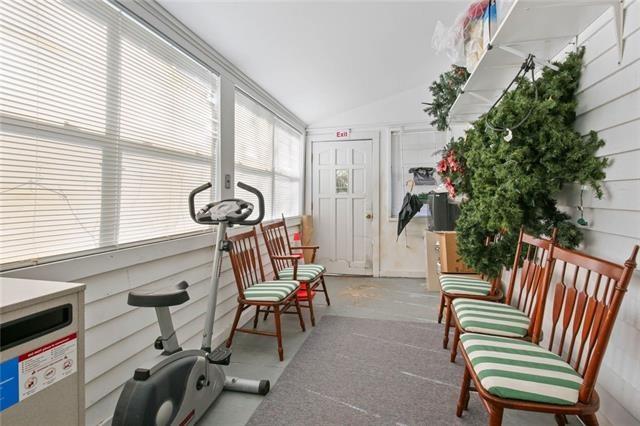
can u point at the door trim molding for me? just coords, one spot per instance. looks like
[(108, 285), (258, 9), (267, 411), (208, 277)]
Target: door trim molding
[(374, 137)]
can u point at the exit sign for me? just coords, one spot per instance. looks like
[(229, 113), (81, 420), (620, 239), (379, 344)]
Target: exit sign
[(343, 133)]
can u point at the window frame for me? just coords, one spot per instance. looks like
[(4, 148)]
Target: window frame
[(110, 164), (273, 173), (93, 261)]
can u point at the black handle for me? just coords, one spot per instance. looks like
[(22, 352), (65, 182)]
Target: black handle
[(192, 198), (258, 194)]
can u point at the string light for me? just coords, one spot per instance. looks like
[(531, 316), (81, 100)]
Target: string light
[(527, 65)]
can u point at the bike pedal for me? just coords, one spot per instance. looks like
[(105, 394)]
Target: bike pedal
[(220, 356)]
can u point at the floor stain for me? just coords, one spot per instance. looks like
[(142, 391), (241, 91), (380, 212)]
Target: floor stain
[(361, 293)]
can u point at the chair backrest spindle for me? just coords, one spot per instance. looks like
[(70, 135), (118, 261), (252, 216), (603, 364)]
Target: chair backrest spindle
[(246, 261), (583, 312), (524, 289), (276, 238)]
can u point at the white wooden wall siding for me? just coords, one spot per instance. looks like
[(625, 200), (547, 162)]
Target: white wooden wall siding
[(120, 338), (609, 102)]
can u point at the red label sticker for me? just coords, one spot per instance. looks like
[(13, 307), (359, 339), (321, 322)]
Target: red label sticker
[(47, 347), (46, 365)]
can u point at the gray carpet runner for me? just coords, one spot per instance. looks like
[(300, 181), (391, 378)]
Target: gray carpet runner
[(353, 371)]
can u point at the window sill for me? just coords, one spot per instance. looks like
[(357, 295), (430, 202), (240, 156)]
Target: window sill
[(77, 268)]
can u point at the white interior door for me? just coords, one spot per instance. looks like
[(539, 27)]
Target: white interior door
[(342, 205)]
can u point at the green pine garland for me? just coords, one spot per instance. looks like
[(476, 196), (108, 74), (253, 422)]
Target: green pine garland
[(445, 91), (516, 183)]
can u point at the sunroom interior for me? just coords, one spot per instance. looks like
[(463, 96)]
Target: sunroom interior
[(443, 197)]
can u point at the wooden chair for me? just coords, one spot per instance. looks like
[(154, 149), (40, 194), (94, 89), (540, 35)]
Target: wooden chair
[(283, 260), (514, 317), (559, 379), (253, 290), (464, 276), (453, 286)]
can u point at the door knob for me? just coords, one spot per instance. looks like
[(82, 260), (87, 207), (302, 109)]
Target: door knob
[(369, 216)]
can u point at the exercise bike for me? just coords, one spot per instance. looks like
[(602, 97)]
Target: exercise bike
[(180, 388)]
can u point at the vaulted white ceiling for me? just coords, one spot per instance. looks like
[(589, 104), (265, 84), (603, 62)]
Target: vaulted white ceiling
[(320, 59)]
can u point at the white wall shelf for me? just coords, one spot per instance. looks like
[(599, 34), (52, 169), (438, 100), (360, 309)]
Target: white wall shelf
[(542, 28)]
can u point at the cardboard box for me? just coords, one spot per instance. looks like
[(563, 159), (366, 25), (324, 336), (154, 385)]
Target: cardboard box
[(432, 258), (450, 262)]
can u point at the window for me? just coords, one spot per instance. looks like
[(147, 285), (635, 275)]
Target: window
[(105, 128), (268, 155), (342, 181), (409, 149)]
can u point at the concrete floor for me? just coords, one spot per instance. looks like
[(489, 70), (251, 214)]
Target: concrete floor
[(376, 298)]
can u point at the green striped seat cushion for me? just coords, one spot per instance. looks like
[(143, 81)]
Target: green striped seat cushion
[(271, 291), (306, 272), (460, 284), (497, 319), (517, 369)]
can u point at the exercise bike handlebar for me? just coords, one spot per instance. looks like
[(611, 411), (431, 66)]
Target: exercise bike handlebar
[(258, 194), (192, 200), (204, 187)]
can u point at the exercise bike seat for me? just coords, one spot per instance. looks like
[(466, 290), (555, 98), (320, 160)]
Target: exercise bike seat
[(174, 297)]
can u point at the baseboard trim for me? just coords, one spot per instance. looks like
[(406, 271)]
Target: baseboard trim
[(402, 273)]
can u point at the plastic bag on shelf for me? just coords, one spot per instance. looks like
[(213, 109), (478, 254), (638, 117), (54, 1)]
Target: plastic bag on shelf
[(474, 44), (464, 42), (450, 41)]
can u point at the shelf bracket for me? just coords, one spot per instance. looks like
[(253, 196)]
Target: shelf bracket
[(618, 17), (516, 52)]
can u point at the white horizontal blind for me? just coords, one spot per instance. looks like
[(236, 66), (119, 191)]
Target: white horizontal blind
[(287, 187), (254, 150), (268, 157), (105, 128)]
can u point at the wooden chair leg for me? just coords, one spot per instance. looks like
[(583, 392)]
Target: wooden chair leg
[(236, 319), (495, 416), (313, 317), (561, 419), (300, 314), (441, 308), (447, 324), (463, 400), (466, 402), (276, 312), (589, 419), (266, 314), (255, 318), (454, 346), (326, 293)]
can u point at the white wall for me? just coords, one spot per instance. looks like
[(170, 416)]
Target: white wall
[(609, 102), (404, 257), (403, 111), (119, 338)]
